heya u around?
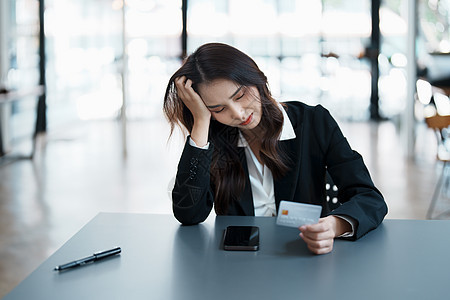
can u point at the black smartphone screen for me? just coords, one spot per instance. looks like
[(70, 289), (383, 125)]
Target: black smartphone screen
[(241, 238)]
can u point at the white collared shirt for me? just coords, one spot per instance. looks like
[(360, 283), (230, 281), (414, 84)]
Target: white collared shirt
[(261, 178)]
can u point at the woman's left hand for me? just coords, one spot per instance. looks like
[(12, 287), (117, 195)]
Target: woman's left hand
[(320, 237)]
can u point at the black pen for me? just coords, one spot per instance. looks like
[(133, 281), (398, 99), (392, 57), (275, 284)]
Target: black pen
[(92, 258)]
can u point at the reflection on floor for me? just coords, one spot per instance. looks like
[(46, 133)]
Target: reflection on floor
[(81, 171)]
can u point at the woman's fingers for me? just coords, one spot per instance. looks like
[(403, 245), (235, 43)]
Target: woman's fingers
[(320, 246), (192, 99), (319, 237), (180, 85), (185, 90)]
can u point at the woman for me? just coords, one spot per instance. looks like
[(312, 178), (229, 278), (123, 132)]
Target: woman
[(246, 152)]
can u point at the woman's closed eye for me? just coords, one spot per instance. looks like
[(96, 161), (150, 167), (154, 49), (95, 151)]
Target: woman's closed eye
[(218, 111), (242, 95)]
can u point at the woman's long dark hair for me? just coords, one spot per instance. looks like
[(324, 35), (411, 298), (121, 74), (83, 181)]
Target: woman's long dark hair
[(220, 61)]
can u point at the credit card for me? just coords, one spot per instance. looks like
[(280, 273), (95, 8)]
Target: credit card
[(293, 214)]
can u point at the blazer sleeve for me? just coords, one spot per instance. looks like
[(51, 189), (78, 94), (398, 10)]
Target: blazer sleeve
[(360, 199), (192, 198)]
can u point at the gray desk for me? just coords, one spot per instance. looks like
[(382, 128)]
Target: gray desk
[(160, 259)]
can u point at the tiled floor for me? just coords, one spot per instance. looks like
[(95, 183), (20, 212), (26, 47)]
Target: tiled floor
[(80, 171)]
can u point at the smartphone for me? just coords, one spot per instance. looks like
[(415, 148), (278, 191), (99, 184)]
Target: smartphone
[(241, 238)]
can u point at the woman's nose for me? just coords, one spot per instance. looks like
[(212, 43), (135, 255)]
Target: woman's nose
[(237, 112)]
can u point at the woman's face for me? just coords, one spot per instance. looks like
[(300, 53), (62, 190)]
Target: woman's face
[(232, 104)]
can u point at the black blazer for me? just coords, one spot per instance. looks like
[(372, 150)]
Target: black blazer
[(319, 146)]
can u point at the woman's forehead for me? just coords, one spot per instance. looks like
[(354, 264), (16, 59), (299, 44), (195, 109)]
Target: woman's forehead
[(218, 89), (221, 83)]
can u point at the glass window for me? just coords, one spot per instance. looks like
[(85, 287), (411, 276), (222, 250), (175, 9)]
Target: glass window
[(22, 67), (309, 50), (434, 46), (85, 56)]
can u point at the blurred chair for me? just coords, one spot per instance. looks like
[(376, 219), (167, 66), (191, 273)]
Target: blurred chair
[(440, 125), (432, 100)]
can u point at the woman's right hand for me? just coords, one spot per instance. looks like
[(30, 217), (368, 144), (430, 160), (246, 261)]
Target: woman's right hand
[(201, 114), (191, 99)]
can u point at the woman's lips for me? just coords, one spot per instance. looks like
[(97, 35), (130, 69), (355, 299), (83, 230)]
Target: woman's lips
[(246, 122)]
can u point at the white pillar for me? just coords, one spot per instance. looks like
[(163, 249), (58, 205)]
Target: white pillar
[(123, 111), (408, 120), (5, 110), (4, 17)]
